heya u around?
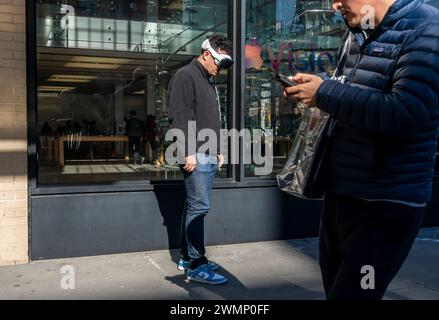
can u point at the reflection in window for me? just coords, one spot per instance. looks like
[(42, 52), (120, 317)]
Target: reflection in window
[(290, 36), (103, 69)]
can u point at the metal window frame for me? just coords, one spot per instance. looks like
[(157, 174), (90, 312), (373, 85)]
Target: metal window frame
[(236, 30), (236, 108)]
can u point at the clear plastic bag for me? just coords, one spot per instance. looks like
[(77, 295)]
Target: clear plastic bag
[(302, 176)]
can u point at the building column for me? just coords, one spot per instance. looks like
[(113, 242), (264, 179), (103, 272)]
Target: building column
[(13, 136)]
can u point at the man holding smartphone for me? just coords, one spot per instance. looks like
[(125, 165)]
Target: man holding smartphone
[(382, 153), (194, 100)]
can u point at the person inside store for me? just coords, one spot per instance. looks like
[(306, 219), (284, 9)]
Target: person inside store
[(151, 136), (43, 143), (193, 98), (383, 101), (46, 130), (135, 131)]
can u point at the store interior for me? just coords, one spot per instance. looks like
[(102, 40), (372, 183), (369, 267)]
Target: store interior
[(103, 70)]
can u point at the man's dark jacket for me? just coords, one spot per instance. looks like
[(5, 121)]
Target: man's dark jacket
[(193, 98), (387, 112)]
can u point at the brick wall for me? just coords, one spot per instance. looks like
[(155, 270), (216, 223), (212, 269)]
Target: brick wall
[(13, 140)]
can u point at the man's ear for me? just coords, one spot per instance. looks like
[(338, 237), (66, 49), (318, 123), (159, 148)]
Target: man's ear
[(205, 55)]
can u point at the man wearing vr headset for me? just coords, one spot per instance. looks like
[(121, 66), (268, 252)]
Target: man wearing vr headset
[(194, 99)]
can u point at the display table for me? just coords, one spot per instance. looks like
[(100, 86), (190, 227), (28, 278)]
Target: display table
[(63, 139)]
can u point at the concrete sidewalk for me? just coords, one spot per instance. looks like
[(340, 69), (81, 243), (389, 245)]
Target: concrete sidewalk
[(279, 270)]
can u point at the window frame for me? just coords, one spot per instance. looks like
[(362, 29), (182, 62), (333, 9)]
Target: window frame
[(235, 120), (236, 29)]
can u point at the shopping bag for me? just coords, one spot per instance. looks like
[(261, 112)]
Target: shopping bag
[(304, 175)]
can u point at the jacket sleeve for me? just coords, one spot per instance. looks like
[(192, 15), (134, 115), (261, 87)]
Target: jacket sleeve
[(411, 102), (182, 108)]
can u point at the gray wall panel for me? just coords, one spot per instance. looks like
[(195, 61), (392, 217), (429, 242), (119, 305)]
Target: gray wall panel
[(96, 224), (82, 225)]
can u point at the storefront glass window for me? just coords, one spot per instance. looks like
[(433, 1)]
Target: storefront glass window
[(103, 69), (288, 36)]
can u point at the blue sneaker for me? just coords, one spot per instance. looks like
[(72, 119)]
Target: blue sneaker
[(205, 275), (183, 265)]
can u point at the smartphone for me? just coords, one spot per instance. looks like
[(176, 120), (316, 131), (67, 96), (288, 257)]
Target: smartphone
[(285, 80)]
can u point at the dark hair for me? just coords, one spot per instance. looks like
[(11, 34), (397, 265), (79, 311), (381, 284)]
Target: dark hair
[(218, 41), (133, 113)]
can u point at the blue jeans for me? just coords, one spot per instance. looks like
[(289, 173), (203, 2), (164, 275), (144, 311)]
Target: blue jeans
[(198, 185)]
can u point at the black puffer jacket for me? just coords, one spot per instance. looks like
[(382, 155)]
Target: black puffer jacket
[(387, 110)]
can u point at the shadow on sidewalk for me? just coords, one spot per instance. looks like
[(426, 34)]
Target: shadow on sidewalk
[(236, 290), (171, 207)]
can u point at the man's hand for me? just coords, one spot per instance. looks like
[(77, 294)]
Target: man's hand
[(307, 89), (191, 164), (220, 161)]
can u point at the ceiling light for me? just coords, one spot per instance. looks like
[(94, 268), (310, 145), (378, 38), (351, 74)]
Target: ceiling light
[(96, 62), (91, 65), (100, 60), (68, 80), (43, 94), (73, 76), (54, 88)]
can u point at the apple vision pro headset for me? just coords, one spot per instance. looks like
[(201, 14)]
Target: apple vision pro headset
[(223, 61)]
